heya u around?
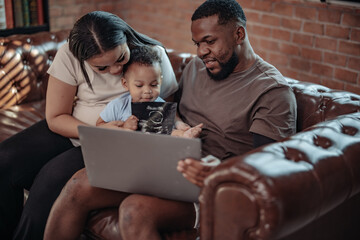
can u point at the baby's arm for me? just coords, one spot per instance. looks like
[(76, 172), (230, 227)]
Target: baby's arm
[(130, 123)]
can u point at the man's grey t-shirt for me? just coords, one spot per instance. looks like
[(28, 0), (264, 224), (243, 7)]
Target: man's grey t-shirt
[(257, 100)]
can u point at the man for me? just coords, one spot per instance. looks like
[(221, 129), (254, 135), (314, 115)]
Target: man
[(243, 103)]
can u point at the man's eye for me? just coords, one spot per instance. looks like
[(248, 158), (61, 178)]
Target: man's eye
[(102, 68), (196, 44), (210, 42)]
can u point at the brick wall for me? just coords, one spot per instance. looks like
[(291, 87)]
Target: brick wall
[(308, 41)]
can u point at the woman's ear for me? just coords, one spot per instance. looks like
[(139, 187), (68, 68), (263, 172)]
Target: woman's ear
[(240, 34), (124, 83)]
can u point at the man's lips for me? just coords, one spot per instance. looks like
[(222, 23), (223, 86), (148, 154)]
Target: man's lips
[(209, 63)]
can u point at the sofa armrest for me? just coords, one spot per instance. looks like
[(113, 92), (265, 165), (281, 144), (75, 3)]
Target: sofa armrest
[(277, 189)]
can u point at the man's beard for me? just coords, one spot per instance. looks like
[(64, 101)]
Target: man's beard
[(226, 68)]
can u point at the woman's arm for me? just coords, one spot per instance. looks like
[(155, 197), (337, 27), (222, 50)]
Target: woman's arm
[(169, 83), (59, 105)]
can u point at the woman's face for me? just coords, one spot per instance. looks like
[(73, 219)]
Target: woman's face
[(111, 61)]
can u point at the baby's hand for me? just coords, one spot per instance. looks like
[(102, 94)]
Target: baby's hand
[(131, 123)]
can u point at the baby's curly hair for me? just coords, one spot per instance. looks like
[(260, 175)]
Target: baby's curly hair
[(226, 10), (144, 55)]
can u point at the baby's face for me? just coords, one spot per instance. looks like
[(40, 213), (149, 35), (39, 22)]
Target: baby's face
[(143, 82)]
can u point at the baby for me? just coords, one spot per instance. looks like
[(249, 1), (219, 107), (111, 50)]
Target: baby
[(142, 78)]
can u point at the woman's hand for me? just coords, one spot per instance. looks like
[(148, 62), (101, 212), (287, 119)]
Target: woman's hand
[(194, 170)]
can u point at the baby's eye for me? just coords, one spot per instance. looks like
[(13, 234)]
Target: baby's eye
[(139, 86), (155, 85), (102, 68)]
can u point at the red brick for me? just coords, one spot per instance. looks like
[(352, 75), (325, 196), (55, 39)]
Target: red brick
[(262, 5), (346, 75), (329, 16), (283, 9), (350, 48), (335, 59), (290, 49), (311, 54), (271, 20), (355, 34), (337, 32), (292, 24), (326, 43), (269, 44), (351, 19), (252, 17), (300, 64), (354, 63), (305, 13), (321, 69), (245, 4), (309, 78), (333, 84), (281, 34), (352, 88), (55, 12), (315, 28), (285, 71), (278, 59), (262, 30), (303, 39)]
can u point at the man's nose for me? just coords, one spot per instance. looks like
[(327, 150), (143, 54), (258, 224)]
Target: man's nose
[(202, 51)]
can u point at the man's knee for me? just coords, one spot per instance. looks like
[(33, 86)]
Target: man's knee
[(78, 190), (134, 211)]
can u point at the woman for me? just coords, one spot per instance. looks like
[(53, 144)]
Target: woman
[(87, 68)]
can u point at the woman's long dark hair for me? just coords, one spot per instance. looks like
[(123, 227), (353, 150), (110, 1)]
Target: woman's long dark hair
[(98, 32)]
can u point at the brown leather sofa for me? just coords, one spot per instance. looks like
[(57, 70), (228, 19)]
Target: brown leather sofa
[(303, 187)]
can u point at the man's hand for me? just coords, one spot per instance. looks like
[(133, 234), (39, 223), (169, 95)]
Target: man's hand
[(194, 170), (193, 132), (187, 131)]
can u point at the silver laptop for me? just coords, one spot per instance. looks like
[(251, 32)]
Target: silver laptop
[(136, 162)]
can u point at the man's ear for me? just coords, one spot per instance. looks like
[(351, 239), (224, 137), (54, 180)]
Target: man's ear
[(124, 83), (240, 34)]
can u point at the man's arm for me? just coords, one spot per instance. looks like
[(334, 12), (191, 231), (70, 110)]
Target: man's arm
[(259, 140)]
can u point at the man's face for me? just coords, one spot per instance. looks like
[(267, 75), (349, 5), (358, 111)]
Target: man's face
[(215, 46)]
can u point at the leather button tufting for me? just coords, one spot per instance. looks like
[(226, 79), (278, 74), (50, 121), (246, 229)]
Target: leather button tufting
[(322, 142), (349, 130)]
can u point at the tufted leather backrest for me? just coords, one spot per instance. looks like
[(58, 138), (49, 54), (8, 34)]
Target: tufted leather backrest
[(317, 103), (24, 60)]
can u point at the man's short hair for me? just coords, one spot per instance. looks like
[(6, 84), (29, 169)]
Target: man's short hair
[(144, 55), (226, 10)]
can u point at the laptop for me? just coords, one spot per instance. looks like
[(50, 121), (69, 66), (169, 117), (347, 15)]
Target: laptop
[(137, 162)]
